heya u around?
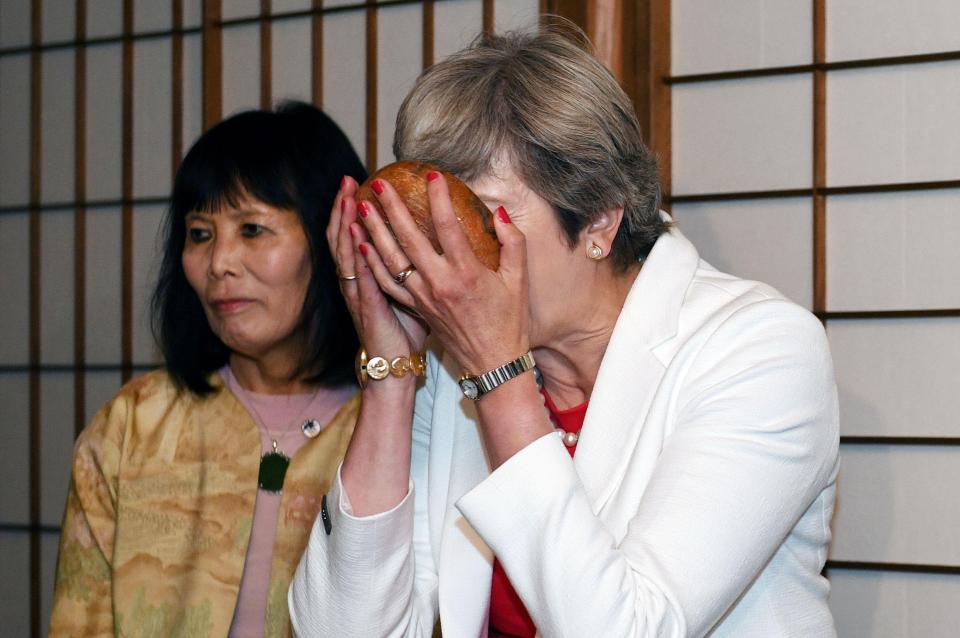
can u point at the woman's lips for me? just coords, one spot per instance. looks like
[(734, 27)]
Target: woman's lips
[(227, 306)]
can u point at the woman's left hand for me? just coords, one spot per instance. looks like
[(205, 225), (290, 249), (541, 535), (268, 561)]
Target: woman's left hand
[(480, 316)]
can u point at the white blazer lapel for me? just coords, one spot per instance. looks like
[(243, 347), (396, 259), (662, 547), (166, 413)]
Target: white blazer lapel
[(630, 372), (465, 562)]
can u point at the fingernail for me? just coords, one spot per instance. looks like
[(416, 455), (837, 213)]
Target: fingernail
[(343, 182), (343, 205), (432, 176), (377, 186), (364, 249), (364, 210), (502, 214)]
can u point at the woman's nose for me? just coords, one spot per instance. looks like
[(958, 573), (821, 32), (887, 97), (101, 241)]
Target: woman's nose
[(224, 258)]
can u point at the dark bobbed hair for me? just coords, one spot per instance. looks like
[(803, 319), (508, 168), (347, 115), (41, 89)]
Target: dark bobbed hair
[(293, 159)]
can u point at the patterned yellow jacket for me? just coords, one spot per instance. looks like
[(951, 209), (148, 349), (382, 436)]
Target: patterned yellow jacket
[(159, 512)]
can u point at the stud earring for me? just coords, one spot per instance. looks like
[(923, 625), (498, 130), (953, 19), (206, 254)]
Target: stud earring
[(595, 252)]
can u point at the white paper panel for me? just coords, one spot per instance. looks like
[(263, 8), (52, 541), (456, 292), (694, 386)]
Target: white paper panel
[(515, 14), (15, 451), (104, 122), (742, 135), (57, 119), (100, 388), (59, 20), (399, 61), (103, 324), (14, 129), (898, 377), (14, 23), (56, 286), (152, 117), (868, 604), (192, 90), (766, 240), (286, 6), (893, 251), (14, 586), (56, 438), (344, 74), (192, 13), (104, 18), (290, 62), (896, 124), (15, 288), (150, 15), (898, 504), (881, 28), (327, 4), (241, 68), (739, 34), (49, 546), (456, 24), (240, 9), (147, 248)]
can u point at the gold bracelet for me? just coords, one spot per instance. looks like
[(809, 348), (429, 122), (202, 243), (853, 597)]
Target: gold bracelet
[(378, 368)]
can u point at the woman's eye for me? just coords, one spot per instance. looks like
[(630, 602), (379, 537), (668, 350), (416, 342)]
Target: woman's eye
[(252, 230), (198, 235)]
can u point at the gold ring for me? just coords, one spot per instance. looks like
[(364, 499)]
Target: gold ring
[(343, 277), (401, 276)]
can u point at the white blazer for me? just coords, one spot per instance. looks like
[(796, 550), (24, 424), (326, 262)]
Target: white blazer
[(699, 500)]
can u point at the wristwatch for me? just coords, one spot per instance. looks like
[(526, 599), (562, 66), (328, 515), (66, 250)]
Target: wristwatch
[(474, 387)]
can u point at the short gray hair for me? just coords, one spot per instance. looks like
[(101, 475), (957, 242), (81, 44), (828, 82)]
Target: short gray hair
[(546, 104)]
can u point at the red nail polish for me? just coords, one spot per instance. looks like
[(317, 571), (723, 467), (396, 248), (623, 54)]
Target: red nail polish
[(377, 186), (364, 249), (432, 176), (364, 209), (343, 182), (502, 214), (343, 205)]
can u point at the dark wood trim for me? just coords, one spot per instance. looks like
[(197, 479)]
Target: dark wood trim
[(89, 42), (933, 441), (21, 528), (89, 203), (859, 189), (176, 92), (371, 101), (266, 56), (39, 368), (316, 57), (212, 64), (428, 34), (80, 220), (488, 17), (126, 211), (843, 65), (292, 15), (819, 141), (888, 314), (35, 441), (909, 568)]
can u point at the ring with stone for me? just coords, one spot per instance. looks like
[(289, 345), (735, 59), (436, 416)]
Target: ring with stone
[(401, 276)]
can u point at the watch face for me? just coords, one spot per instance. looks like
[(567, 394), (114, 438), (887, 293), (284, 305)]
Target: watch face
[(470, 388)]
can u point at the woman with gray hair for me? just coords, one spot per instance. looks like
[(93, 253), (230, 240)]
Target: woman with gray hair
[(701, 408)]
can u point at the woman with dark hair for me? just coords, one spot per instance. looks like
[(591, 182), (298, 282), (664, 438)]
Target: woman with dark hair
[(194, 489), (675, 473)]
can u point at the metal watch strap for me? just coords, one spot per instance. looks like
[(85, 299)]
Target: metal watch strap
[(491, 379)]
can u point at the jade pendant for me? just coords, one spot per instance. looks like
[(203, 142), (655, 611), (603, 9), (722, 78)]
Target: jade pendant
[(273, 469)]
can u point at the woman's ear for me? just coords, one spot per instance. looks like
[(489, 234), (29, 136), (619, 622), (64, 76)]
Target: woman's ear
[(599, 234)]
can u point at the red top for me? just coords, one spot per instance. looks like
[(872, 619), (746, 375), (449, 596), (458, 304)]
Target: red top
[(508, 616)]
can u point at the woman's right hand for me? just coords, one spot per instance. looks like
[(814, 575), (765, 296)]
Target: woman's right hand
[(384, 329)]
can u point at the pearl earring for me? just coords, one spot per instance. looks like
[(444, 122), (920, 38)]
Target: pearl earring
[(595, 252)]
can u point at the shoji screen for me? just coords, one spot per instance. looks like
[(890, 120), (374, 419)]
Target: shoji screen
[(816, 146), (98, 101)]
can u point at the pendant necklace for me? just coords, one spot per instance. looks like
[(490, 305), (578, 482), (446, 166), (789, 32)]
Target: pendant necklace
[(274, 464)]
